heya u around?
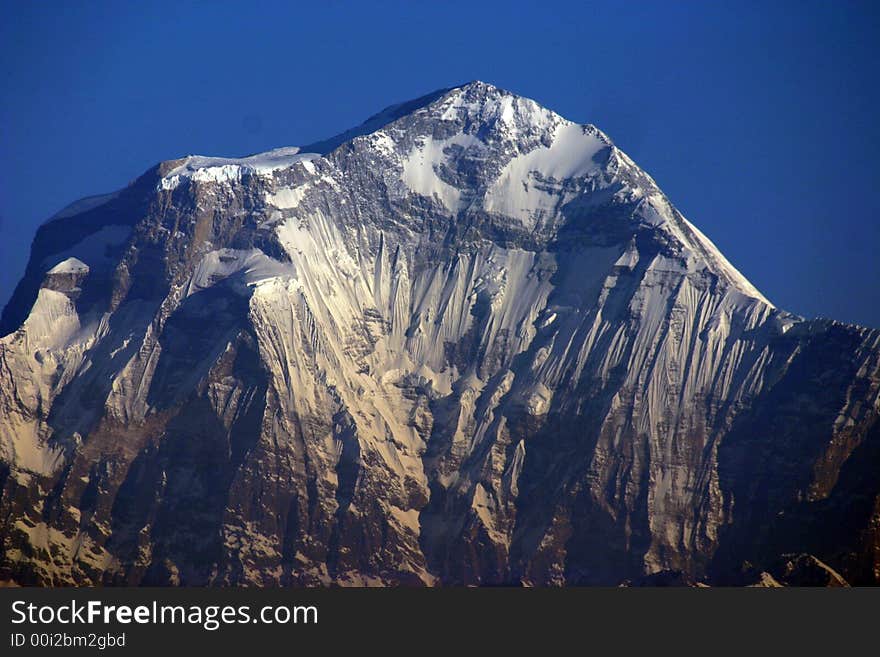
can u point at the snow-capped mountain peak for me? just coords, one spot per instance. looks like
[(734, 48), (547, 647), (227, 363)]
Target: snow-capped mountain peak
[(468, 341)]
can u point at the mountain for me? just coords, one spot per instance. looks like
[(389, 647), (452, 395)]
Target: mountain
[(469, 342)]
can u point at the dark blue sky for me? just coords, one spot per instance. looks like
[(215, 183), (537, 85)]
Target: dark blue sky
[(758, 119)]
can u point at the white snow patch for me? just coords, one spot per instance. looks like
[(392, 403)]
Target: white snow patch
[(420, 175), (629, 259), (287, 198), (70, 266), (520, 189), (254, 266)]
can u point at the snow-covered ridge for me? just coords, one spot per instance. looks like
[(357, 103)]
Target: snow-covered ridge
[(222, 169)]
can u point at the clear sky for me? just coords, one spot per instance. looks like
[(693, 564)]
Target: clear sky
[(758, 119)]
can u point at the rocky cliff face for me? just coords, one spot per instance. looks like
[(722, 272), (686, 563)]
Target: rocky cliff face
[(469, 342)]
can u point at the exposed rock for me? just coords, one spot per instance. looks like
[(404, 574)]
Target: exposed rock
[(807, 570)]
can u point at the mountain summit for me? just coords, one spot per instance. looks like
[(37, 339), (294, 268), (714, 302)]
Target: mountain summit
[(468, 342)]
